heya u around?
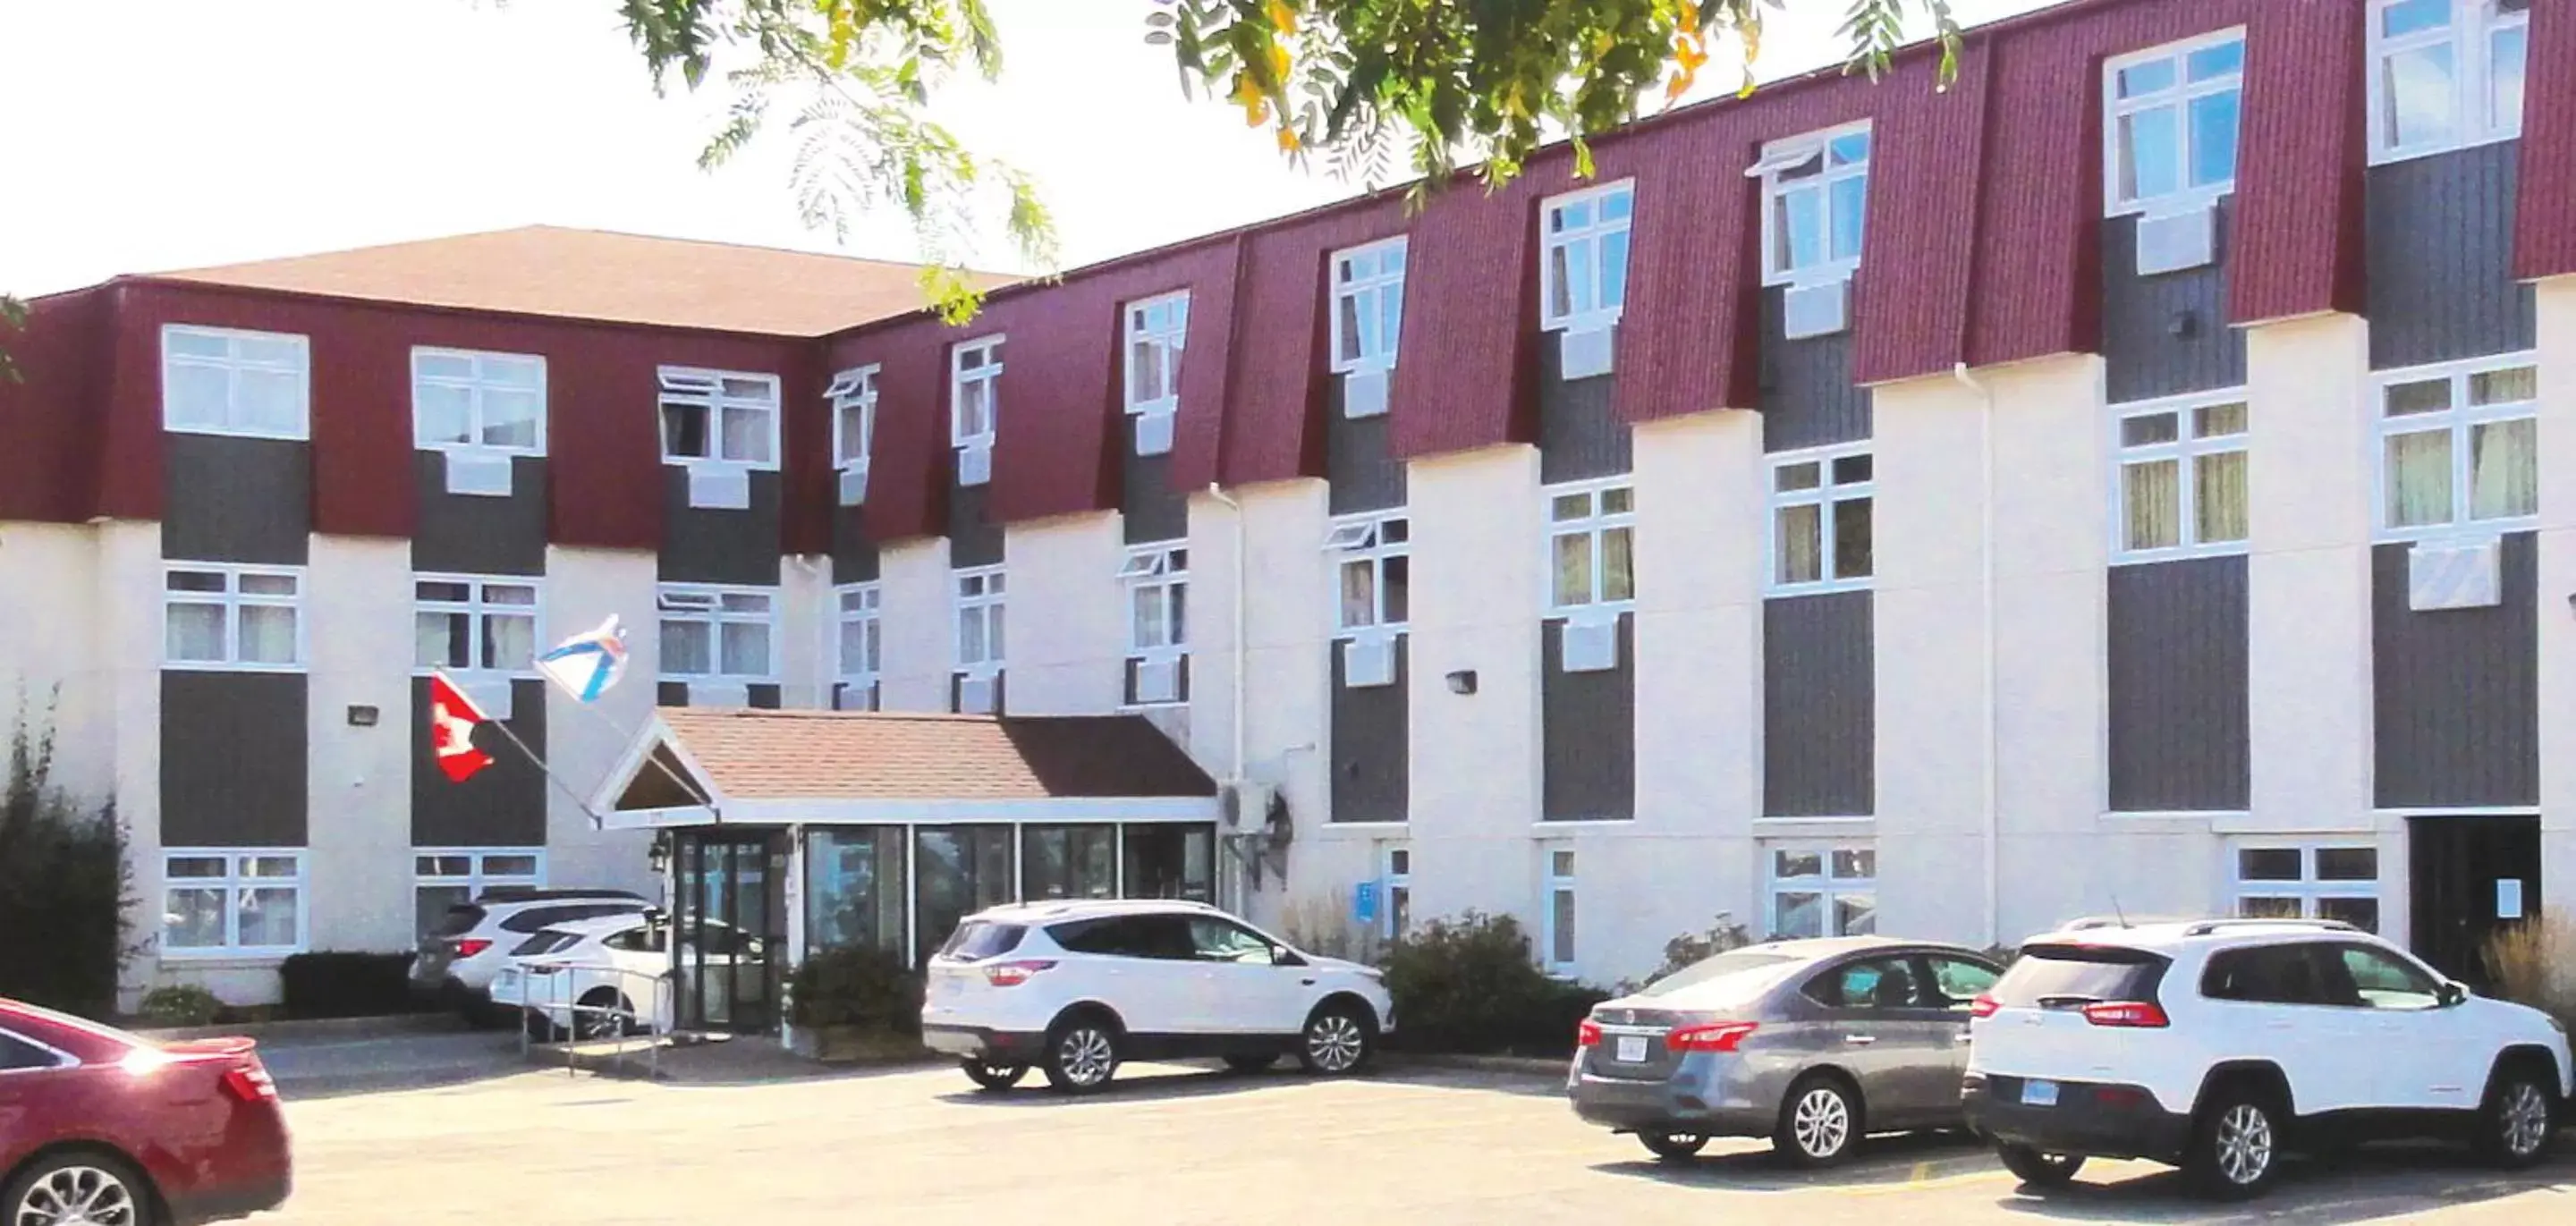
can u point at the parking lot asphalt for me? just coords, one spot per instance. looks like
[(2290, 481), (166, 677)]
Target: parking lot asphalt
[(1174, 1144)]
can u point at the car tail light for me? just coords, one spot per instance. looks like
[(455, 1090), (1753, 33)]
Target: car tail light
[(1984, 1005), (1587, 1033), (467, 947), (1013, 974), (1714, 1036), (2133, 1014), (251, 1084)]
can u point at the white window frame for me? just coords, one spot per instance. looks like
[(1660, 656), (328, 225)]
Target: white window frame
[(2309, 889), (1829, 886), (715, 617), (2185, 451), (700, 386), (2471, 38), (1163, 569), (1597, 525), (1395, 881), (232, 600), (2179, 96), (988, 349), (1557, 862), (233, 364), (855, 388), (868, 613), (1788, 154), (2462, 419), (475, 386), (1170, 340), (1361, 540), (991, 602), (478, 608), (236, 883), (1367, 292), (478, 877), (1598, 232), (1828, 496)]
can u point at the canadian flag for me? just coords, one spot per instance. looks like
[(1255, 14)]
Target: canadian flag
[(452, 717)]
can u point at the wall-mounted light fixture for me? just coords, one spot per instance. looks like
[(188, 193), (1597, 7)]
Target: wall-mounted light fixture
[(1463, 681), (362, 717)]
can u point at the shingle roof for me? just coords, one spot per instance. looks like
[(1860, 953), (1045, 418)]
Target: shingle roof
[(598, 274), (833, 755)]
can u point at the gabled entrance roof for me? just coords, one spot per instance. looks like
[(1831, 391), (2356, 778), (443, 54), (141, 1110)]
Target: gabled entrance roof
[(695, 766)]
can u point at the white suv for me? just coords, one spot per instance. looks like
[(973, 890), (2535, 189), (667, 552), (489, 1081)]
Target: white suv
[(1074, 988), (2217, 1045)]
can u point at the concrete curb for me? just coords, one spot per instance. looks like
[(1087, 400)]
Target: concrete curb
[(316, 1028), (1526, 1066)]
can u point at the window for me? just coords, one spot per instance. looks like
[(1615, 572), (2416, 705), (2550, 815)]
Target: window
[(862, 645), (254, 384), (974, 401), (485, 401), (1218, 940), (979, 620), (1560, 911), (454, 876), (1820, 520), (1070, 861), (1157, 330), (714, 416), (231, 902), (1875, 984), (1591, 555), (2265, 975), (2173, 122), (1373, 564), (1957, 982), (1584, 276), (1815, 190), (2382, 981), (2460, 446), (2445, 74), (465, 624), (2309, 881), (1396, 913), (2181, 477), (1368, 305), (1158, 584), (232, 617), (1823, 891), (853, 395), (716, 633), (20, 1055)]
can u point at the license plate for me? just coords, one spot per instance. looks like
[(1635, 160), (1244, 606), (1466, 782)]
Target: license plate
[(2039, 1093), (1632, 1049)]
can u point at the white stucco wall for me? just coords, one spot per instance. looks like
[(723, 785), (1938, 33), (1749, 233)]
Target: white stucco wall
[(808, 629), (2557, 637), (357, 862), (1067, 626), (584, 586), (914, 601)]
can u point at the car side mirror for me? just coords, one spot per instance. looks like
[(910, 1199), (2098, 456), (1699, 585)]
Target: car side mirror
[(2450, 993), (1281, 955)]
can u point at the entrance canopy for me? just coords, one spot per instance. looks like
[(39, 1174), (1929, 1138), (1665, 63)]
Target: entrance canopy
[(702, 767)]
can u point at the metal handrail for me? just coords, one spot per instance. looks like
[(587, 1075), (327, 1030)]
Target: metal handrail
[(661, 1001)]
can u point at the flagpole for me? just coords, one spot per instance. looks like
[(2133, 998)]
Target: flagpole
[(586, 703), (596, 822)]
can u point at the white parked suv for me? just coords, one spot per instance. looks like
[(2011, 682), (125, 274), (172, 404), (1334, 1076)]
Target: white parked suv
[(2218, 1045), (461, 954), (1075, 988)]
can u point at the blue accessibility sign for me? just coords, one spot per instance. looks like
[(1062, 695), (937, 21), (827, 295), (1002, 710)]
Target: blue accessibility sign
[(1364, 903)]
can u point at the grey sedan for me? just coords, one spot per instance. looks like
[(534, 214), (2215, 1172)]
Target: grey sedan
[(1814, 1044)]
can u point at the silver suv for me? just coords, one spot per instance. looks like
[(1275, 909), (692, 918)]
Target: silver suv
[(461, 954)]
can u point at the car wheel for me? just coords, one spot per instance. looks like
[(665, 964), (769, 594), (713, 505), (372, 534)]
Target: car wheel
[(1082, 1055), (2038, 1170), (993, 1074), (1820, 1122), (540, 1028), (605, 1013), (79, 1189), (1337, 1041), (2235, 1144), (1252, 1064), (1674, 1146), (2518, 1117)]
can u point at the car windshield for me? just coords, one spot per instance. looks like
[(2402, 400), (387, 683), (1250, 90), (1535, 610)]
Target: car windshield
[(976, 940), (1724, 966), (2060, 975)]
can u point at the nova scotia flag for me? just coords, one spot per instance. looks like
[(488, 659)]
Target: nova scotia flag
[(586, 665)]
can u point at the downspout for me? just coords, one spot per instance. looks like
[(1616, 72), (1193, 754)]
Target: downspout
[(1986, 634), (1242, 564)]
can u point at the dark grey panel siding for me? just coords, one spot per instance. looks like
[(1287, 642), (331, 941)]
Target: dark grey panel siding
[(236, 499), (1588, 733), (973, 538), (1807, 399), (854, 556), (502, 805), (1150, 508), (2181, 739), (671, 694), (2441, 259), (1579, 433), (1363, 472), (702, 545), (472, 534), (233, 759), (1372, 753), (2167, 334), (1819, 706), (2457, 691)]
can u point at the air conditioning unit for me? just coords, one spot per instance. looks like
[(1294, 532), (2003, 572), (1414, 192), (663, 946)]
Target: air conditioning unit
[(1368, 662), (2455, 575), (1154, 433), (1583, 354), (2177, 241), (1589, 646), (1158, 681), (854, 485), (1364, 392), (718, 487), (722, 694), (1815, 310), (854, 696), (1246, 803), (484, 475), (976, 692), (975, 464)]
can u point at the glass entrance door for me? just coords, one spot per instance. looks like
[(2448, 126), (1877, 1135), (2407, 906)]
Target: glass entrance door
[(729, 930)]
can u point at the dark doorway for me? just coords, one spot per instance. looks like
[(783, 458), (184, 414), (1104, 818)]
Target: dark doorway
[(729, 930), (2472, 877)]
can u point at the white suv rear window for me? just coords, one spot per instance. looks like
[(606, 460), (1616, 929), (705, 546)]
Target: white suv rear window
[(2071, 976), (976, 940)]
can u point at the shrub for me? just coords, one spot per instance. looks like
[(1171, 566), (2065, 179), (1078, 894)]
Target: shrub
[(855, 985), (2534, 963), (1469, 985), (63, 873), (180, 1005), (347, 984), (1690, 948)]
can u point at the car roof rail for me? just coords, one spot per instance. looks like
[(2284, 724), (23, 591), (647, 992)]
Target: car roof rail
[(2209, 927), (530, 893)]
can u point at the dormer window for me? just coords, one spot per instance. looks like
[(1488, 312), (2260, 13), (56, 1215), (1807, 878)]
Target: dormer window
[(721, 426), (1815, 190), (1157, 332), (974, 397), (853, 395)]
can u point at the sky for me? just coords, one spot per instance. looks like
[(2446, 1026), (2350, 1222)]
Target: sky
[(150, 135)]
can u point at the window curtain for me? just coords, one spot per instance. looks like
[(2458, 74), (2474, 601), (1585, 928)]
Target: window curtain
[(2419, 478), (1800, 544), (2504, 469), (267, 634), (2218, 488), (2151, 500)]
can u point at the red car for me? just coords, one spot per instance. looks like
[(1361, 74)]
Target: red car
[(103, 1128)]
